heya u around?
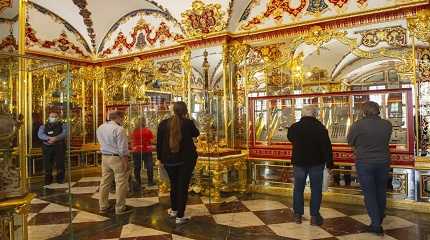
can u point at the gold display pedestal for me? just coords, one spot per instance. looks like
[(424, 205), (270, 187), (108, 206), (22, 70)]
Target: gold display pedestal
[(13, 217), (222, 171)]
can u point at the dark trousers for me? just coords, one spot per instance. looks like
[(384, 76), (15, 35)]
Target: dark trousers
[(54, 154), (180, 177), (316, 177), (373, 181), (146, 157)]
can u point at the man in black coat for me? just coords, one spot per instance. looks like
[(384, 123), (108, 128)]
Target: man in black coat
[(311, 153)]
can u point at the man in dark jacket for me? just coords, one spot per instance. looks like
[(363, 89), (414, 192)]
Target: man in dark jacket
[(370, 138), (53, 135), (311, 152)]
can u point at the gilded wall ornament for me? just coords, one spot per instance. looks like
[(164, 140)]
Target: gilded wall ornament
[(394, 36), (62, 43), (9, 43), (317, 6), (138, 39), (275, 9), (317, 36), (338, 3), (86, 17), (270, 53), (5, 4), (423, 57), (70, 29), (419, 26), (238, 51), (203, 19)]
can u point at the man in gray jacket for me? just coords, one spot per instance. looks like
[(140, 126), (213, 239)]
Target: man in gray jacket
[(369, 138)]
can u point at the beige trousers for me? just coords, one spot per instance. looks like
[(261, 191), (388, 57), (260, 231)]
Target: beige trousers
[(113, 167)]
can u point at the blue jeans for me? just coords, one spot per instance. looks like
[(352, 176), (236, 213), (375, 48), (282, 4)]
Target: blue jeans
[(373, 180), (316, 176)]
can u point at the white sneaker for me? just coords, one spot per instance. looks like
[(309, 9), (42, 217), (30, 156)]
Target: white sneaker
[(172, 213), (182, 220)]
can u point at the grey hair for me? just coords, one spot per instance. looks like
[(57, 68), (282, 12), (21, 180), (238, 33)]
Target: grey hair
[(310, 111)]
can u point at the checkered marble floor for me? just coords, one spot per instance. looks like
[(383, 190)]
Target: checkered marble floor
[(271, 219)]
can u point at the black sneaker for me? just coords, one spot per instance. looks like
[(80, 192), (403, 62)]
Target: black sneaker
[(126, 210), (298, 218), (379, 231), (317, 220)]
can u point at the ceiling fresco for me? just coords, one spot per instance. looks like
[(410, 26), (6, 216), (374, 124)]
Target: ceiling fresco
[(276, 13), (105, 29)]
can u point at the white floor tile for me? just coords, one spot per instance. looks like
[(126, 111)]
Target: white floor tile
[(263, 205), (83, 217), (58, 185), (132, 230), (365, 236), (243, 219), (325, 213), (84, 190), (177, 237), (196, 210), (53, 207), (42, 232), (142, 202), (390, 222), (303, 231)]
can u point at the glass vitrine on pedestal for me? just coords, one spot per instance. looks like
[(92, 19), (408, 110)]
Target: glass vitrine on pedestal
[(17, 108), (271, 116)]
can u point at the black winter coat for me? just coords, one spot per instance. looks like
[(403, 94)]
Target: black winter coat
[(311, 143), (187, 150)]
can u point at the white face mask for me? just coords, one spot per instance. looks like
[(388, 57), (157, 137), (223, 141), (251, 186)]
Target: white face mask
[(52, 119)]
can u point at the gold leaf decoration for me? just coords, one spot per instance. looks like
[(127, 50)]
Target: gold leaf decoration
[(203, 19)]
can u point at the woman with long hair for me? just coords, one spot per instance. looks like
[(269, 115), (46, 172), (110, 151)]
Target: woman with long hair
[(142, 138), (177, 152)]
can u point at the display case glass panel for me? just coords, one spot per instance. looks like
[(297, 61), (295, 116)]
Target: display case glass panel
[(271, 117)]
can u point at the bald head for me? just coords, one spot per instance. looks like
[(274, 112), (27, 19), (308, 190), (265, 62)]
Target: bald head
[(310, 111)]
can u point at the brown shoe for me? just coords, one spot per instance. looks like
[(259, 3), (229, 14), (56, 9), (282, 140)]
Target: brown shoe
[(298, 218), (317, 220)]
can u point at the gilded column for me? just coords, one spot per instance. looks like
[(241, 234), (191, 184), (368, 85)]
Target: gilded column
[(419, 29), (227, 96), (83, 96), (186, 83)]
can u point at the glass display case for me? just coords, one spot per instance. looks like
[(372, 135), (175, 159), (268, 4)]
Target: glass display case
[(271, 116), (19, 123)]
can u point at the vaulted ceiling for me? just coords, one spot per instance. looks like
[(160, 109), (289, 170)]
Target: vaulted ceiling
[(107, 29)]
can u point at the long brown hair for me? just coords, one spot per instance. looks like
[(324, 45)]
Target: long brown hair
[(175, 135)]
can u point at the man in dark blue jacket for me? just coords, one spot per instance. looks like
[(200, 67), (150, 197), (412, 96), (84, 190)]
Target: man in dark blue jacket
[(311, 153), (53, 135)]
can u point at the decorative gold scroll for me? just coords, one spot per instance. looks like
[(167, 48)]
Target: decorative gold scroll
[(203, 19), (419, 26)]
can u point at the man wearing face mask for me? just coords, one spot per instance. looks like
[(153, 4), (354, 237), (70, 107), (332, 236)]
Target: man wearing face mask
[(53, 135), (114, 148)]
